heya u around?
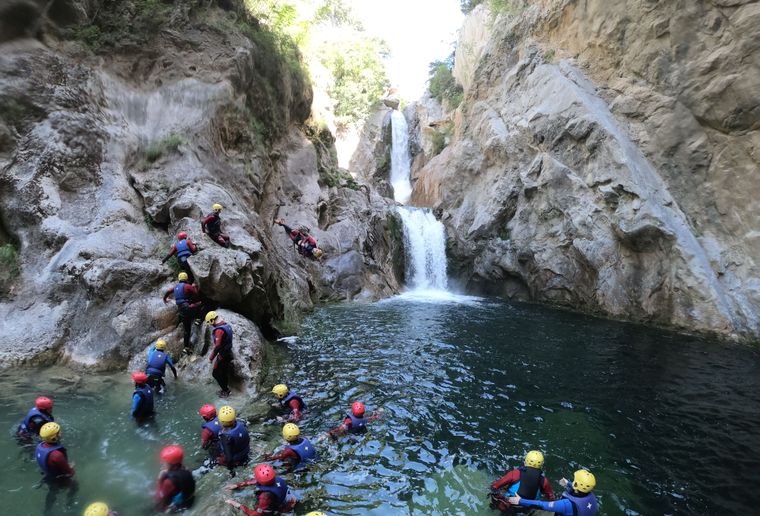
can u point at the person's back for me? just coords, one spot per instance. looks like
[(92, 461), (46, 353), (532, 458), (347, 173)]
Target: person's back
[(235, 443), (35, 418), (578, 500)]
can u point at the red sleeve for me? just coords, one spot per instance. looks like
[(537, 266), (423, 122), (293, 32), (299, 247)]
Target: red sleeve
[(546, 488), (295, 406), (165, 491), (507, 480), (265, 502), (248, 511), (191, 289), (192, 246), (245, 483), (287, 453), (58, 464), (206, 436)]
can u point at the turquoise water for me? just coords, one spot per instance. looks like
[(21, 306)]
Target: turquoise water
[(669, 424)]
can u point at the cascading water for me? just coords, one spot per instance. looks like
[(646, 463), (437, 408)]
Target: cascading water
[(424, 236)]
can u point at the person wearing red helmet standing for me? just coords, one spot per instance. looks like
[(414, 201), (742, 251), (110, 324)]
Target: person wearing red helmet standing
[(355, 421), (41, 413), (142, 398), (210, 432), (272, 494), (175, 489), (183, 248)]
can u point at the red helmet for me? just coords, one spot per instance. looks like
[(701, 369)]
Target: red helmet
[(207, 411), (181, 235), (43, 403), (357, 409), (264, 474), (139, 377), (172, 454)]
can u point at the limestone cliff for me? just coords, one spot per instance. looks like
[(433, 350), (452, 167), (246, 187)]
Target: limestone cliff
[(121, 123), (605, 158)]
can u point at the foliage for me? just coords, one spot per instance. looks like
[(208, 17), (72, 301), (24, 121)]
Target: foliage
[(443, 85), (338, 14), (121, 23), (496, 6), (169, 143), (441, 137), (9, 266), (549, 55)]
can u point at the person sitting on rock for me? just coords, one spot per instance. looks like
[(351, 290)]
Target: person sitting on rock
[(355, 422), (576, 501), (291, 403), (272, 496), (221, 355), (41, 413), (189, 304), (304, 243), (210, 432), (528, 481), (183, 248), (158, 359), (175, 489), (142, 398), (299, 452), (234, 439), (212, 226)]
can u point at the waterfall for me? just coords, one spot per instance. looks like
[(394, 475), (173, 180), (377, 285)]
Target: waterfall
[(400, 159), (424, 236)]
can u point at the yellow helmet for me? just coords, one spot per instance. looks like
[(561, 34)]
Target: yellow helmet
[(280, 390), (50, 432), (584, 481), (217, 207), (210, 317), (534, 459), (317, 513), (290, 432), (182, 276), (97, 509), (160, 344), (227, 415), (317, 253)]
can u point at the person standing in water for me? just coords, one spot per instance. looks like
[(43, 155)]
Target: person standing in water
[(234, 440), (527, 481), (578, 500), (175, 489), (41, 413), (210, 432), (53, 461), (142, 398)]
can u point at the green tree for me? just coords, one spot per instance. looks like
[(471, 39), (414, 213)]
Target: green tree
[(442, 84)]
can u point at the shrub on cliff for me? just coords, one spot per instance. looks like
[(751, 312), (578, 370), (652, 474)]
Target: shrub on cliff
[(442, 84)]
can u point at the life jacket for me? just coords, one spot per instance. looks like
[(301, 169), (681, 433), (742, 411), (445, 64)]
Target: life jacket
[(529, 485), (235, 443), (279, 489), (183, 480), (358, 424), (156, 363), (183, 249), (583, 505), (292, 396), (306, 245), (42, 454), (34, 412), (225, 351), (145, 408), (215, 225), (213, 426), (179, 294), (306, 453)]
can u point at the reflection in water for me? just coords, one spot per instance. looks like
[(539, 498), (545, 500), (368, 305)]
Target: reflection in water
[(664, 421)]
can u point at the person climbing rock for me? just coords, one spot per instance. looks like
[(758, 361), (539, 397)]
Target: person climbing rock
[(210, 432), (528, 481), (212, 226), (298, 453), (189, 304), (158, 359), (355, 421), (221, 354), (99, 509), (578, 500), (42, 412), (272, 496), (142, 398), (53, 461), (233, 439), (303, 242), (183, 249), (175, 488), (290, 403)]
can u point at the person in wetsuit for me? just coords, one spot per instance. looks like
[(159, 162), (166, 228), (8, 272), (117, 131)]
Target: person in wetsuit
[(211, 225), (290, 403), (528, 481), (578, 500), (187, 297), (42, 412), (304, 243), (158, 359), (221, 354), (298, 453), (175, 487), (183, 249), (272, 496)]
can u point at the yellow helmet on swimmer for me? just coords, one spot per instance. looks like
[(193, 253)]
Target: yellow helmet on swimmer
[(280, 390), (182, 276), (290, 432), (160, 344), (534, 459), (97, 509), (317, 513), (584, 481), (50, 432), (211, 317), (227, 415), (216, 207)]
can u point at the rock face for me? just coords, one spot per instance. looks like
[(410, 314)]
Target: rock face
[(605, 159), (103, 158)]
